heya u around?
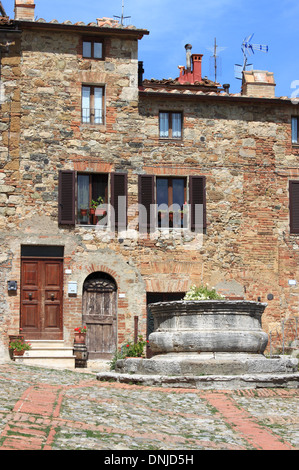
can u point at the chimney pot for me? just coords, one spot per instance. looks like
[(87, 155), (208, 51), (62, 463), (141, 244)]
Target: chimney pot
[(188, 48)]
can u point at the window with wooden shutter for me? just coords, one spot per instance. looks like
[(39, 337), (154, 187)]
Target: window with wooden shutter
[(294, 206), (146, 199), (197, 200), (119, 199), (66, 197)]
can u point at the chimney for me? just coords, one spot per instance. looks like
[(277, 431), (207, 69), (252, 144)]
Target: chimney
[(140, 73), (258, 83), (192, 72), (24, 10), (196, 61)]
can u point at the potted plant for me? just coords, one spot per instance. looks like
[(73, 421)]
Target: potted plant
[(94, 204), (19, 347), (83, 212), (12, 338), (80, 334)]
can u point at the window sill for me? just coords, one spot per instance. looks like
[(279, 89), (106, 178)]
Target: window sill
[(85, 125), (104, 227), (101, 59), (166, 139)]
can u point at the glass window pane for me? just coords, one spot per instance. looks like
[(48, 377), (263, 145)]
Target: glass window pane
[(162, 191), (85, 104), (83, 197), (98, 105), (176, 125), (295, 130), (178, 192), (86, 49), (98, 50), (164, 125)]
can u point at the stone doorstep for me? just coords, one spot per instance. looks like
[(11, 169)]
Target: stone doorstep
[(48, 353), (53, 362)]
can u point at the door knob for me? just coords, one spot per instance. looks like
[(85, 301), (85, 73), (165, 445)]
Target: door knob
[(30, 296), (52, 297)]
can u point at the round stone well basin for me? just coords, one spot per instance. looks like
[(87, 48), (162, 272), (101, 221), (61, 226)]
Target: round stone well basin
[(208, 326)]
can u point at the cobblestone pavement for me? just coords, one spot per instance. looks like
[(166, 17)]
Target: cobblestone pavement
[(46, 409)]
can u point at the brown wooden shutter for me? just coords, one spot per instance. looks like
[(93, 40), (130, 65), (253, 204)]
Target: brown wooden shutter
[(197, 196), (66, 197), (146, 198), (119, 185), (294, 206)]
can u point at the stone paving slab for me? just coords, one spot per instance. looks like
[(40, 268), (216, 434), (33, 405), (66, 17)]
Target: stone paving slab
[(47, 409)]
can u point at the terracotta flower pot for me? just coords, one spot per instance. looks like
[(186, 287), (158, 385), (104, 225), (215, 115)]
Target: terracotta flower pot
[(19, 353), (80, 338)]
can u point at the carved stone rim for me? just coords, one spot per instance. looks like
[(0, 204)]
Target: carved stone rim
[(208, 307), (211, 301)]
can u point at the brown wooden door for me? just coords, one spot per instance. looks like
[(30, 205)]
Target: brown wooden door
[(100, 317), (41, 298)]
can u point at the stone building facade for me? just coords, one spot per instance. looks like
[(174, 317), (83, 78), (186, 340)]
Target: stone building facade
[(78, 122)]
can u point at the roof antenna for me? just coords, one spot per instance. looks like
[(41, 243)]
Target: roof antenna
[(122, 17), (248, 49), (215, 62)]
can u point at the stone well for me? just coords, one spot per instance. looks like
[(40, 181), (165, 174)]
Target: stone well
[(193, 338), (210, 344), (208, 326)]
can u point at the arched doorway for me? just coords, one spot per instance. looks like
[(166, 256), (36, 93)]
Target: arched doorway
[(100, 315)]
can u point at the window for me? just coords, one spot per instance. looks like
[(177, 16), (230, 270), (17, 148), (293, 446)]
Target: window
[(294, 206), (92, 49), (171, 197), (295, 130), (92, 104), (172, 202), (92, 191), (170, 125), (79, 192)]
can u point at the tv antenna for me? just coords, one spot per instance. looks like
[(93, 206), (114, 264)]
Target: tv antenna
[(214, 59), (122, 17), (247, 50)]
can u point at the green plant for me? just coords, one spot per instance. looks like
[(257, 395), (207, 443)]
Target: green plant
[(95, 203), (117, 355), (129, 349), (202, 293), (19, 345), (132, 349)]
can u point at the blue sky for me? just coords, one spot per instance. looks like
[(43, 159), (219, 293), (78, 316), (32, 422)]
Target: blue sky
[(173, 23)]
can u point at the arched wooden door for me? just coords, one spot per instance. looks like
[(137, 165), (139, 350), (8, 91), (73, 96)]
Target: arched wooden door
[(100, 315)]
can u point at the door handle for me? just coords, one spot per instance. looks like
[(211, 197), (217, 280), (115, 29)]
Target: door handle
[(30, 296), (52, 296)]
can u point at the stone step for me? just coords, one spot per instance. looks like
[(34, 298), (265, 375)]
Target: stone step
[(48, 353), (55, 362)]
